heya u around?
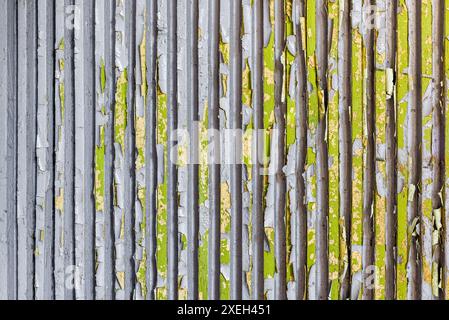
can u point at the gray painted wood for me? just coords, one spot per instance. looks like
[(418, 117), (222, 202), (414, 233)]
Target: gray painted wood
[(172, 174), (59, 66), (236, 149), (45, 146), (214, 151), (8, 149), (26, 142), (151, 151)]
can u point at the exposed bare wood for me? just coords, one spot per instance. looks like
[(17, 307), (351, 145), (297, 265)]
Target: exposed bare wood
[(438, 148), (414, 215), (172, 175), (257, 152), (109, 254), (301, 104), (214, 151), (80, 177), (69, 148), (193, 166), (369, 173), (151, 150), (235, 92), (322, 220), (89, 149), (391, 152), (345, 145), (278, 156), (130, 154)]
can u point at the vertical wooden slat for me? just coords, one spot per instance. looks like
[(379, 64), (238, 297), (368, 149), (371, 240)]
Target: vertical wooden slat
[(151, 166), (333, 153), (380, 142), (310, 47), (426, 150), (214, 151), (301, 154), (402, 90), (203, 105), (26, 147), (110, 87), (12, 152), (438, 147), (45, 171), (3, 150), (68, 236), (130, 146), (345, 138), (391, 151), (8, 150), (139, 160), (446, 185), (84, 96), (101, 117), (104, 152), (80, 151), (357, 159), (322, 246), (269, 259), (172, 120), (193, 165), (278, 155), (235, 93), (59, 134), (120, 109), (89, 152), (257, 153), (415, 153), (369, 174)]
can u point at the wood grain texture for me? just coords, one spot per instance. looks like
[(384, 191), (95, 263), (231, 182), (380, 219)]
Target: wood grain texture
[(438, 147), (302, 125), (369, 174), (257, 152), (392, 151), (172, 175), (414, 214), (345, 144), (326, 95), (236, 158), (151, 151), (322, 220), (214, 151), (193, 165)]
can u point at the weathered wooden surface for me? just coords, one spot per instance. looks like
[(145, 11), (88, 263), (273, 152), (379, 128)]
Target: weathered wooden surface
[(207, 149)]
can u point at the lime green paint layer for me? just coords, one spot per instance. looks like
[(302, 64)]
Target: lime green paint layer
[(99, 172), (162, 196), (121, 109), (357, 138)]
